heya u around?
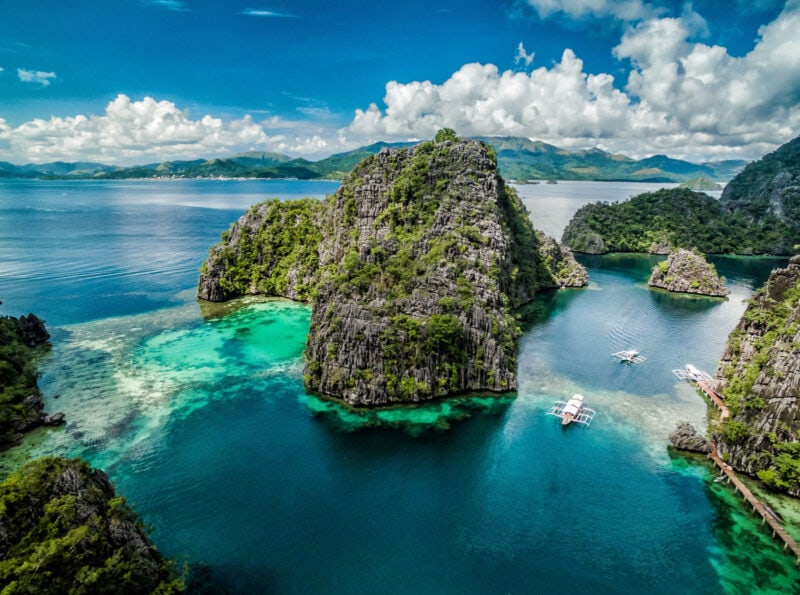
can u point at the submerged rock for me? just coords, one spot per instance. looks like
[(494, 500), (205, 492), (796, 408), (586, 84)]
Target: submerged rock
[(686, 437), (686, 271)]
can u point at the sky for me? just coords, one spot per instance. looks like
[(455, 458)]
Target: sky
[(139, 81)]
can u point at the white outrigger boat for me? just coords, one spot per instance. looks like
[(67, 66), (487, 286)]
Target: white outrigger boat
[(630, 356), (572, 410), (692, 374)]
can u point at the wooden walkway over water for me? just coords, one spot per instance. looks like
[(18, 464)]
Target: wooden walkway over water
[(767, 515)]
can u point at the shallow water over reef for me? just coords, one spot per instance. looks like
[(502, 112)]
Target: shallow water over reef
[(200, 418)]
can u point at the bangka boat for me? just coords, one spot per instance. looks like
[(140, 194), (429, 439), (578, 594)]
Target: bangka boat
[(572, 410), (692, 374), (629, 356)]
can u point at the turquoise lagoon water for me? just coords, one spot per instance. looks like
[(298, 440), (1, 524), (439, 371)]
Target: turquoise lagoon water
[(199, 416)]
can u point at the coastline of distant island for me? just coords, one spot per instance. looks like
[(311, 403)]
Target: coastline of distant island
[(518, 159)]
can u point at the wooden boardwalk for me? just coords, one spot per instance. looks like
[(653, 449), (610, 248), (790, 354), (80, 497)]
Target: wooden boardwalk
[(759, 507), (766, 513)]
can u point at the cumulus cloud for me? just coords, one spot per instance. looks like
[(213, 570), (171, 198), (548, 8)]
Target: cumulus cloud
[(129, 132), (684, 98), (35, 76), (522, 57), (626, 10)]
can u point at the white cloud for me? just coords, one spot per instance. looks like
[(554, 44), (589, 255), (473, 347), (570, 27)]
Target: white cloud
[(129, 132), (523, 57), (1, 69), (257, 12), (176, 5), (626, 10), (683, 98), (35, 76)]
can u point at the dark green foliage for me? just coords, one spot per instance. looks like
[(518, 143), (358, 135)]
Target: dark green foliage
[(287, 239), (64, 531), (445, 134), (17, 380), (767, 192), (677, 217)]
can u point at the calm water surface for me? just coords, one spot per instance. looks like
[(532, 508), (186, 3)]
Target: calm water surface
[(199, 416)]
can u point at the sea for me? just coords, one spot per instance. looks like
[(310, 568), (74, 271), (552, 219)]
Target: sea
[(197, 413)]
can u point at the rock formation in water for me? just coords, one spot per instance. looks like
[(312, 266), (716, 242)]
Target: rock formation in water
[(21, 406), (270, 250), (686, 437), (64, 530), (759, 377), (423, 255), (686, 271), (701, 184)]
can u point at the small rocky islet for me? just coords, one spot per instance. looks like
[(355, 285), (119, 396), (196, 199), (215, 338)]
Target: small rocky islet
[(686, 271), (414, 269)]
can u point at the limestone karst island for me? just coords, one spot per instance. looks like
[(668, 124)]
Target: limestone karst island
[(414, 267)]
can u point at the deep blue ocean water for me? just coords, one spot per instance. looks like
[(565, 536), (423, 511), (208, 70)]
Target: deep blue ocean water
[(199, 416)]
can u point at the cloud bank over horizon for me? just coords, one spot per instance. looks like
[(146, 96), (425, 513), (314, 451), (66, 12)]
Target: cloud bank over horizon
[(683, 98), (677, 95)]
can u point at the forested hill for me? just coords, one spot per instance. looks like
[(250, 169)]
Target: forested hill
[(759, 213), (518, 159)]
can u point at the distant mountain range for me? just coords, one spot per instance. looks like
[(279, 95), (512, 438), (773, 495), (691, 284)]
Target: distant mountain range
[(518, 159)]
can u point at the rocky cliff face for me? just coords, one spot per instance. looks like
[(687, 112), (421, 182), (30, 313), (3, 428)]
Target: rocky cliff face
[(685, 271), (414, 267), (759, 376), (63, 530), (424, 254), (767, 192)]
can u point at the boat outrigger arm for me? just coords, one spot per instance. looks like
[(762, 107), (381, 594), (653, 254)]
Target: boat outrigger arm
[(584, 416), (692, 374), (630, 356)]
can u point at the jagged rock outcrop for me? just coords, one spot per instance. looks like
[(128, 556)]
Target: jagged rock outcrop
[(685, 271), (759, 376), (64, 530), (566, 271), (422, 255), (425, 252), (21, 406), (686, 437), (767, 193)]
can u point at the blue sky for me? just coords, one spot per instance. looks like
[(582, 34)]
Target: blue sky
[(134, 81)]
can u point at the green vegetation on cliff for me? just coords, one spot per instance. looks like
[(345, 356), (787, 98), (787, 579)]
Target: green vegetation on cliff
[(760, 376), (767, 192), (659, 221), (20, 399), (272, 250), (758, 213), (65, 531)]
